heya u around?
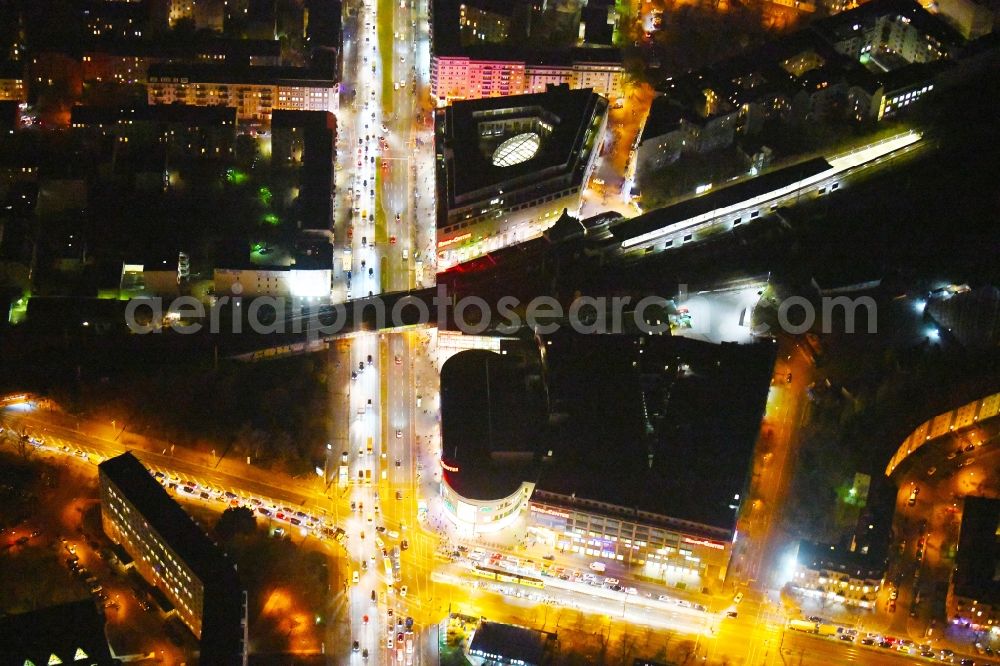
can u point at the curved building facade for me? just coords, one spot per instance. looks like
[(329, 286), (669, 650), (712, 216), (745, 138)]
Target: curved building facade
[(483, 515), (965, 416)]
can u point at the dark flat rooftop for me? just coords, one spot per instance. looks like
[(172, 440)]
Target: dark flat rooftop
[(57, 630), (215, 73), (472, 170), (323, 120), (856, 564), (167, 517), (166, 47), (718, 198), (653, 436), (633, 421), (512, 642), (978, 558), (446, 42), (488, 431), (201, 116)]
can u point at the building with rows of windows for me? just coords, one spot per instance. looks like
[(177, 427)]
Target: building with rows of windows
[(255, 92), (174, 555), (479, 50)]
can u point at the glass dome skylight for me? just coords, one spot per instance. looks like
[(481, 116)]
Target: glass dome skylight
[(517, 149)]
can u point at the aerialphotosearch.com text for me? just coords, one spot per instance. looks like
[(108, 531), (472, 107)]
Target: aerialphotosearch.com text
[(602, 315)]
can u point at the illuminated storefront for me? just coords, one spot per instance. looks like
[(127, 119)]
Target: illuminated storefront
[(483, 515), (672, 550)]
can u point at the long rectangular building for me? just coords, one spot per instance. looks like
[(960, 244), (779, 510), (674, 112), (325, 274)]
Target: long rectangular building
[(254, 91), (174, 554)]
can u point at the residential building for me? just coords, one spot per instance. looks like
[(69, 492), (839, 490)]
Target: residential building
[(172, 553), (479, 49), (862, 65), (254, 91), (486, 21), (508, 167), (12, 83), (837, 574), (464, 77), (205, 14), (177, 129), (128, 61)]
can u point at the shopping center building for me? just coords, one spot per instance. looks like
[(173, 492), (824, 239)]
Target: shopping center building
[(594, 472), (507, 167)]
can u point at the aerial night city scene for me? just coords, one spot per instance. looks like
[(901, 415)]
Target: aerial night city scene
[(499, 332)]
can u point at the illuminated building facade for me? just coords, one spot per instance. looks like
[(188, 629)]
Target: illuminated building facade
[(461, 77), (12, 84), (173, 554), (254, 91), (665, 547), (833, 574), (484, 515), (279, 281)]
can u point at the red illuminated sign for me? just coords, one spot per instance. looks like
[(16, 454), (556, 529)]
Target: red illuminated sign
[(705, 542), (549, 512)]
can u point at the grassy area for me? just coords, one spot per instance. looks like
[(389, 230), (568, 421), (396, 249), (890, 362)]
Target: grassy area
[(385, 47), (381, 229)]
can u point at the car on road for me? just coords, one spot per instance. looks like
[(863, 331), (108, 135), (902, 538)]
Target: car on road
[(912, 500), (868, 641), (402, 591), (738, 598), (599, 567), (355, 577), (355, 646), (846, 637)]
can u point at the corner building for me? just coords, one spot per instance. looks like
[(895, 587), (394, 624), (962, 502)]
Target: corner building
[(507, 167)]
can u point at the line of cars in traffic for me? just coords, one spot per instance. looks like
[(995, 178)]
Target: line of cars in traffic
[(816, 625), (263, 507)]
